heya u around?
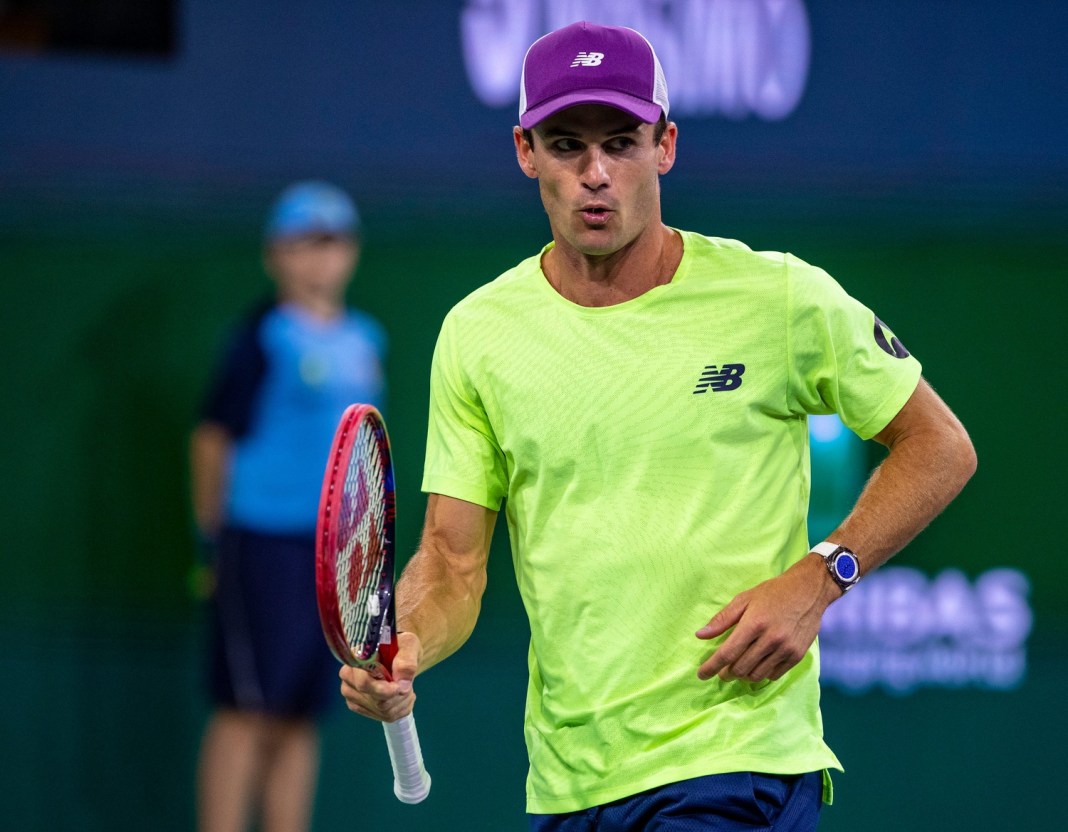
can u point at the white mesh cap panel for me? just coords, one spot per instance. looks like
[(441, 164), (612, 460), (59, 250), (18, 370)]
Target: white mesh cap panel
[(660, 93), (523, 79)]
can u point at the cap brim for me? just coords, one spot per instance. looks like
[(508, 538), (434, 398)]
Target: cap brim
[(643, 110), (295, 231)]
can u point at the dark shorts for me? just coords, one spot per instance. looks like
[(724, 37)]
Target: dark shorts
[(718, 802), (268, 651)]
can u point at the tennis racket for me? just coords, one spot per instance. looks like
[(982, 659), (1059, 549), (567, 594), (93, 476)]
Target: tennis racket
[(354, 573)]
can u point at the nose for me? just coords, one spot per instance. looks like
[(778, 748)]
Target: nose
[(595, 169)]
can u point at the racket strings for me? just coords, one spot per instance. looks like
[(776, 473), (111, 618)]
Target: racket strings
[(361, 555)]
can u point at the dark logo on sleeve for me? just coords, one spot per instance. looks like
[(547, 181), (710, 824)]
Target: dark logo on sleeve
[(892, 346), (719, 379)]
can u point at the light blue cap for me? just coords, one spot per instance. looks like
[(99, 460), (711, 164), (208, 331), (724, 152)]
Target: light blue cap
[(312, 207)]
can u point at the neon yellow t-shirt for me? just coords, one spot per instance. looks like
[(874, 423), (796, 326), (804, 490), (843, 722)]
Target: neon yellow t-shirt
[(653, 460)]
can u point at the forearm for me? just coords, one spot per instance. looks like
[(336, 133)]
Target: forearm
[(439, 596), (438, 604), (209, 470), (930, 460), (775, 622)]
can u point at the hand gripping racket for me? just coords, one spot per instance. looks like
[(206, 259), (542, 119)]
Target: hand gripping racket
[(354, 563)]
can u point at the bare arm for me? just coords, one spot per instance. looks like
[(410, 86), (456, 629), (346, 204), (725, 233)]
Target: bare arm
[(438, 600), (209, 459), (440, 593), (930, 460)]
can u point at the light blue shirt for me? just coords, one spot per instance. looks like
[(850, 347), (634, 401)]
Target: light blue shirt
[(314, 370)]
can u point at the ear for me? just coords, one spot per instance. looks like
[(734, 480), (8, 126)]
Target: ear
[(524, 153), (666, 148)]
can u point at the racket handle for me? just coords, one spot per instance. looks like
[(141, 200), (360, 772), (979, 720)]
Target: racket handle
[(411, 783)]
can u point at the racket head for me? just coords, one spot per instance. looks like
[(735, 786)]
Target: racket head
[(354, 549)]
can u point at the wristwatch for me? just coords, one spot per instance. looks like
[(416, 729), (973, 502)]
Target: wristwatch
[(841, 562)]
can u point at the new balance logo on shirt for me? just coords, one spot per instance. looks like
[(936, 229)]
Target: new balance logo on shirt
[(588, 59), (720, 379)]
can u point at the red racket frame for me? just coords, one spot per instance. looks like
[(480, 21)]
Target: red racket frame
[(381, 645)]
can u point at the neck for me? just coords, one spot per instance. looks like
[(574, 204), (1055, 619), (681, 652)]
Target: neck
[(323, 307), (650, 260)]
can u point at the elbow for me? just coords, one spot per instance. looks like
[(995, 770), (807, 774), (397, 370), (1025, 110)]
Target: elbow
[(972, 461), (965, 459)]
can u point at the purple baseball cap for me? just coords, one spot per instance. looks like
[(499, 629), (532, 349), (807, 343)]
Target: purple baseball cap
[(589, 64)]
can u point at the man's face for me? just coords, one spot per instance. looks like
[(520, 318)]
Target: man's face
[(598, 170)]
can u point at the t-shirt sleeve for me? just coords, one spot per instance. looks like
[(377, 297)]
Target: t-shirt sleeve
[(234, 390), (463, 457), (843, 359)]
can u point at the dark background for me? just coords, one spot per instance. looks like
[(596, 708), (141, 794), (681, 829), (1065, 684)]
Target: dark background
[(925, 166)]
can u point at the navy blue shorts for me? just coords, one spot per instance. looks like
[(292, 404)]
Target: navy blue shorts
[(268, 651), (720, 802)]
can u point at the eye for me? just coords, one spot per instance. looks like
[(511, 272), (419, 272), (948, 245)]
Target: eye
[(567, 145), (621, 143)]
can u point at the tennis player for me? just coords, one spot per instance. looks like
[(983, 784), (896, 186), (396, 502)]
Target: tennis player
[(292, 367), (636, 397)]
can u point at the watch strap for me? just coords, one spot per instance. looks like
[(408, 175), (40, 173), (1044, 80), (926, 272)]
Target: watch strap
[(825, 549)]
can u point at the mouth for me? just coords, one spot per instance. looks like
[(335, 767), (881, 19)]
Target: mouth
[(595, 214)]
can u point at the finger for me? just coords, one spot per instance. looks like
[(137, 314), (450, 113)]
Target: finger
[(785, 655), (781, 670), (726, 654), (789, 657), (762, 669), (377, 713), (405, 665), (359, 679), (769, 647), (725, 618), (367, 687), (387, 709), (756, 655), (354, 700), (358, 708), (399, 710)]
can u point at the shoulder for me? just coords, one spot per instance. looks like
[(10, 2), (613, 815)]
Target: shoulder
[(240, 373), (720, 264), (500, 296), (723, 253), (483, 323), (366, 326), (724, 250), (245, 338), (253, 321)]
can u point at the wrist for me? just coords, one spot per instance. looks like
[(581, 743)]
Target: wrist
[(825, 589), (841, 564)]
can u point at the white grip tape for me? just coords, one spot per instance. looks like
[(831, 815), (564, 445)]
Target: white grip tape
[(411, 783)]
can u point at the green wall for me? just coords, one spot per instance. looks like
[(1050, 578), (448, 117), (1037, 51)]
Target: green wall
[(111, 317)]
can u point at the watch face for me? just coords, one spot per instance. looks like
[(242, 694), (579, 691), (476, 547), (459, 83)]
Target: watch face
[(846, 566)]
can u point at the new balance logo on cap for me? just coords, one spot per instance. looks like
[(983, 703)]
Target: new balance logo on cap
[(719, 379), (588, 59)]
